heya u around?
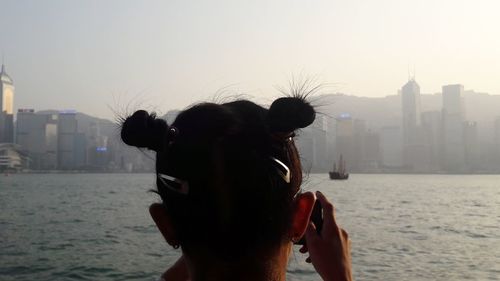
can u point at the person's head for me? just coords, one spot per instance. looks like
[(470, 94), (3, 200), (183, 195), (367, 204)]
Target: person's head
[(228, 175)]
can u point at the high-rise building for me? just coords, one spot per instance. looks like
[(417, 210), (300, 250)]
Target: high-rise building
[(371, 151), (67, 139), (37, 135), (312, 144), (431, 125), (453, 116), (391, 149), (415, 152), (344, 143), (472, 160), (6, 107), (410, 98), (319, 132), (453, 100), (496, 142)]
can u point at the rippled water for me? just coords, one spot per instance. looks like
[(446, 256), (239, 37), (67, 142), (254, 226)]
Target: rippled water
[(403, 227)]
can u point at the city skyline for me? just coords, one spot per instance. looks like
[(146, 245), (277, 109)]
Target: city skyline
[(417, 139), (96, 54)]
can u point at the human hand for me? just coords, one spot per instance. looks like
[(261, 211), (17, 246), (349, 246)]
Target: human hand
[(330, 250)]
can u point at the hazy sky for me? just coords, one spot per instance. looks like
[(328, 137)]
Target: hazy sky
[(88, 55)]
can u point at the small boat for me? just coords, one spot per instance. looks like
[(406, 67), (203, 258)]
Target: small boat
[(340, 173)]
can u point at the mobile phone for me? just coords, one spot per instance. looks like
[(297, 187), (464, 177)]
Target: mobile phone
[(316, 218)]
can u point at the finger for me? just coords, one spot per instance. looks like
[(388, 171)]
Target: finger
[(311, 234), (329, 222), (303, 249), (344, 234)]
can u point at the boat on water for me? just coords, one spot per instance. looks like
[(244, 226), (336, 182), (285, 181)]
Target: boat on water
[(340, 172)]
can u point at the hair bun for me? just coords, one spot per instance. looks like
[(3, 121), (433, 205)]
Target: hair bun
[(289, 114), (142, 129)]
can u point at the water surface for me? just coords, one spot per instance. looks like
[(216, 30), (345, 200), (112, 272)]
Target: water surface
[(97, 227)]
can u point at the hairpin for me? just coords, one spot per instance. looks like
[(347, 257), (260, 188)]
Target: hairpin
[(174, 184), (283, 170)]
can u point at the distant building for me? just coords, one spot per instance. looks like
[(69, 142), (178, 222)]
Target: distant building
[(496, 144), (12, 158), (37, 135), (391, 148), (313, 146), (6, 128), (330, 143), (453, 116), (371, 151), (345, 142), (410, 98), (305, 145), (319, 132), (67, 131), (432, 129), (415, 152), (98, 148), (6, 107), (471, 146)]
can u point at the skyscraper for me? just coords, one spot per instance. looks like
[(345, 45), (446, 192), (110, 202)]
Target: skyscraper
[(415, 152), (37, 135), (66, 135), (6, 107), (453, 128), (344, 143), (432, 129), (391, 147), (410, 97)]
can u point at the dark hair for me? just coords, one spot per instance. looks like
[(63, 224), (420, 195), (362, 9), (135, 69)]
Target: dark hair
[(239, 200)]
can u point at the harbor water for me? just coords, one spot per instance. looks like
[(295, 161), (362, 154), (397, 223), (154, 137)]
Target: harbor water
[(402, 227)]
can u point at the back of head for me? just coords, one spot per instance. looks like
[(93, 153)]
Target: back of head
[(226, 173)]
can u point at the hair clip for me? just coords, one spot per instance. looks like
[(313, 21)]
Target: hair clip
[(172, 133), (174, 184), (283, 170)]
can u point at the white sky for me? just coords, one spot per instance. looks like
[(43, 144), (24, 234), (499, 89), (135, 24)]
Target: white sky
[(88, 55)]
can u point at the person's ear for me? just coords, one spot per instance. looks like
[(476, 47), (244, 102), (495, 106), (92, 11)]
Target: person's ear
[(302, 209), (164, 223)]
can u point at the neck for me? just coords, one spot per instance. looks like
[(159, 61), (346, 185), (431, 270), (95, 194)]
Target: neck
[(269, 268)]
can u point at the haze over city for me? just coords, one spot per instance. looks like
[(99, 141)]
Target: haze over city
[(89, 55)]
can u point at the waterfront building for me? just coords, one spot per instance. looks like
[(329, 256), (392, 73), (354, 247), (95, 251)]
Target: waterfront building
[(98, 148), (305, 144), (319, 130), (37, 135), (471, 146), (12, 158), (496, 137), (6, 107), (312, 144), (410, 99), (345, 142), (371, 151), (453, 116), (431, 125), (391, 148), (67, 130), (415, 152)]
